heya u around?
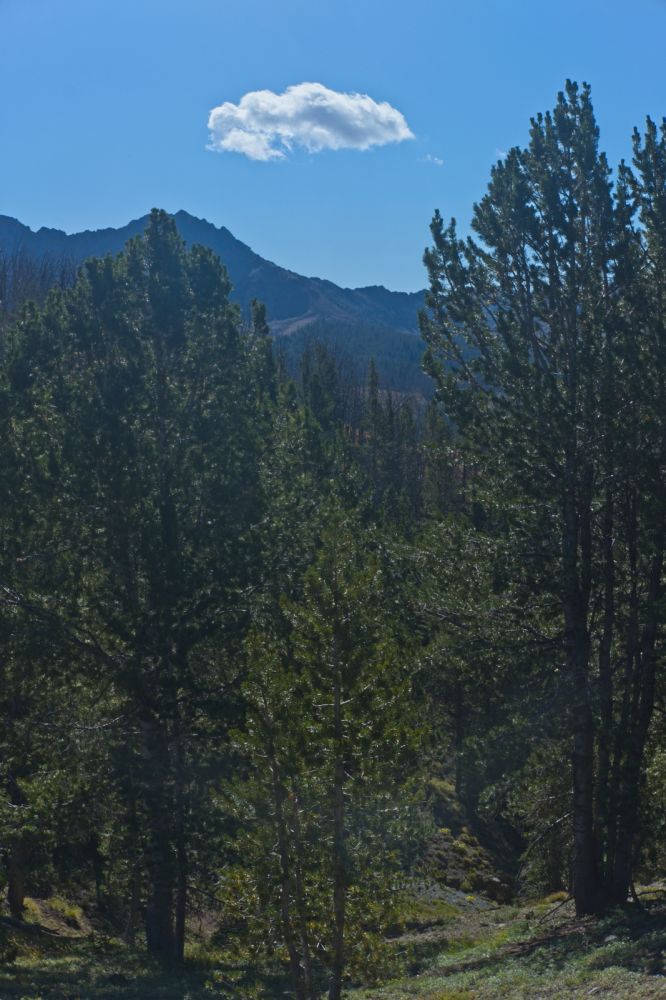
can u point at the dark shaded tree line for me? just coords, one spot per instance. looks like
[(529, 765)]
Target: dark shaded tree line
[(24, 278)]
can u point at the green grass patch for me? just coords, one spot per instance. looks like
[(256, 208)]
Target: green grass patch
[(526, 954), (421, 914), (458, 954)]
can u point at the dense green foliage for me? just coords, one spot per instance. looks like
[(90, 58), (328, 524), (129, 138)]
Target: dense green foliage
[(277, 641), (547, 340), (200, 687)]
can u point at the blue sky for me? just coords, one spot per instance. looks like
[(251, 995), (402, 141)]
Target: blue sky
[(106, 102)]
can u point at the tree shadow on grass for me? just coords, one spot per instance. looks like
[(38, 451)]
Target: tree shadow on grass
[(631, 937), (103, 970)]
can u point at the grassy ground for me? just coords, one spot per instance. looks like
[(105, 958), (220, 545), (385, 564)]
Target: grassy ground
[(541, 952), (457, 949), (57, 955)]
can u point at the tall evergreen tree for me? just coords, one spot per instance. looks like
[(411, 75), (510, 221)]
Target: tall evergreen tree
[(148, 401), (539, 348)]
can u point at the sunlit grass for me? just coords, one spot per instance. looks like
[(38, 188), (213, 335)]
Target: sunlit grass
[(537, 951), (527, 956)]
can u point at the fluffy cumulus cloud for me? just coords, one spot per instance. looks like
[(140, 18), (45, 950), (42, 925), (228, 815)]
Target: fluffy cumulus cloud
[(266, 126)]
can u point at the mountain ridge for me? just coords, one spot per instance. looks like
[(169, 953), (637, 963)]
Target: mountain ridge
[(293, 301)]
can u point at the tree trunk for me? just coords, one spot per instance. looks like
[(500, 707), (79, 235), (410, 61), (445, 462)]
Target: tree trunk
[(286, 891), (134, 883), (643, 690), (181, 901), (133, 903), (585, 878), (181, 853), (339, 859), (306, 960), (16, 882), (603, 789), (458, 735), (577, 574), (160, 866)]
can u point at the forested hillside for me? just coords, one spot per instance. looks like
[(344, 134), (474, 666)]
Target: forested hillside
[(355, 323), (302, 679)]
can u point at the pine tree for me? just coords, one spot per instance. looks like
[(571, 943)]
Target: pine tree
[(539, 349), (141, 388)]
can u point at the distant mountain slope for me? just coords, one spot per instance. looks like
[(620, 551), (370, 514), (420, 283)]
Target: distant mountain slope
[(292, 301)]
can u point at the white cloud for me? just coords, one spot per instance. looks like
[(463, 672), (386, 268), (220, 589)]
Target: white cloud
[(266, 126), (435, 160)]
